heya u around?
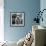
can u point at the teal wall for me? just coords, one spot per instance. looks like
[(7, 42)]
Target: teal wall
[(30, 7), (43, 6)]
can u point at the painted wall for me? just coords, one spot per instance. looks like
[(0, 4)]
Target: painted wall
[(43, 6), (30, 7)]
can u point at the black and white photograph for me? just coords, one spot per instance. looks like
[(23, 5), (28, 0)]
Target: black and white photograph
[(17, 18)]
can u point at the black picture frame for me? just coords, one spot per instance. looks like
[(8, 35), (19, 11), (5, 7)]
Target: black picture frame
[(17, 19)]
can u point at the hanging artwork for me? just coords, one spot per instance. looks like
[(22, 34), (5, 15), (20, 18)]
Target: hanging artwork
[(17, 19)]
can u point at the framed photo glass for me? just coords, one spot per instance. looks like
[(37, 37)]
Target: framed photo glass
[(17, 19)]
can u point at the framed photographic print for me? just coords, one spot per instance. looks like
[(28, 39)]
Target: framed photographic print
[(17, 19)]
